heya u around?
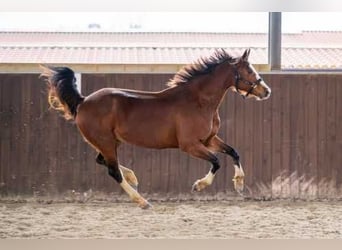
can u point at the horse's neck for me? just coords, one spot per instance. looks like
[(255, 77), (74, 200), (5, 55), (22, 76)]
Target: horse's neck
[(211, 89)]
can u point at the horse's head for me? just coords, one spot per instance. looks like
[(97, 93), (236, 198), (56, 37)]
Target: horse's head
[(248, 83)]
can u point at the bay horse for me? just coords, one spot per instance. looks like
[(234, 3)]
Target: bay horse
[(184, 115)]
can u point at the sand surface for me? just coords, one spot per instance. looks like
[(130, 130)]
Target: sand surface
[(180, 220)]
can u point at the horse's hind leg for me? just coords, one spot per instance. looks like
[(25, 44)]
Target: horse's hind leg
[(217, 145), (111, 161), (127, 173)]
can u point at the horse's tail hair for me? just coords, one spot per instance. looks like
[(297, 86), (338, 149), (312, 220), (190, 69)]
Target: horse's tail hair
[(62, 90)]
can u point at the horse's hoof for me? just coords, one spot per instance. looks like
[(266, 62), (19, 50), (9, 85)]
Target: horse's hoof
[(239, 184), (146, 205), (195, 187)]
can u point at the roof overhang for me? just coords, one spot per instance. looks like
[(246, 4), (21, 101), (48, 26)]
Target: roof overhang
[(108, 68)]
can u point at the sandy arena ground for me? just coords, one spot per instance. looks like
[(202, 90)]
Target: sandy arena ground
[(180, 220)]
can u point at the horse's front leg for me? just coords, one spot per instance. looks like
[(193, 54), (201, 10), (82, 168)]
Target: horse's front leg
[(217, 145), (200, 151)]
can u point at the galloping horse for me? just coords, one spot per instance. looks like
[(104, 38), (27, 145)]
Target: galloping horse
[(184, 115)]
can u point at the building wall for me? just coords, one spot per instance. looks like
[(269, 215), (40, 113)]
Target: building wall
[(290, 145)]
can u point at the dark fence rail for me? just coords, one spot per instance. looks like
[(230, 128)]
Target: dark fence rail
[(290, 145)]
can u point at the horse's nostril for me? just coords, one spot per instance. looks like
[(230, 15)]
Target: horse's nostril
[(267, 92)]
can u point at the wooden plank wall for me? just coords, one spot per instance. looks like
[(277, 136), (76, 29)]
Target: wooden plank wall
[(290, 145)]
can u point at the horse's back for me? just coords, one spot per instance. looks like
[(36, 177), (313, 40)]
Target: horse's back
[(136, 117), (117, 93)]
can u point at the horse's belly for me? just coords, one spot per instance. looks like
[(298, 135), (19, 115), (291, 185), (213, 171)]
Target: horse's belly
[(149, 137)]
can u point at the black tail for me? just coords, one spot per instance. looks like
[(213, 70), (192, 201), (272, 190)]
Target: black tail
[(63, 94)]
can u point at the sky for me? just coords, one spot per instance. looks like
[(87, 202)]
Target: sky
[(292, 22)]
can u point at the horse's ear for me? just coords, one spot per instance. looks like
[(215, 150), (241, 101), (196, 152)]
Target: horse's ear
[(246, 54)]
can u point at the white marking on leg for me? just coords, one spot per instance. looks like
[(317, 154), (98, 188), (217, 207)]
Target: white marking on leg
[(129, 175), (134, 195), (209, 178), (239, 170), (204, 182), (238, 178)]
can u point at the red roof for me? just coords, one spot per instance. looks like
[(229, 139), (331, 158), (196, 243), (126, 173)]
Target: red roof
[(320, 50)]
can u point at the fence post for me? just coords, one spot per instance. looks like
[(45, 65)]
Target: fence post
[(274, 40)]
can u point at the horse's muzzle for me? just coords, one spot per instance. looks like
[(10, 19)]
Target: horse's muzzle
[(267, 94)]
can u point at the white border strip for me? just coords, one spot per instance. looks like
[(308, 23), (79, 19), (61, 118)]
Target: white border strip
[(174, 5)]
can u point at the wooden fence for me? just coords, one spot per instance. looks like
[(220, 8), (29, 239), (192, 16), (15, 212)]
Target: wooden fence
[(290, 145)]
